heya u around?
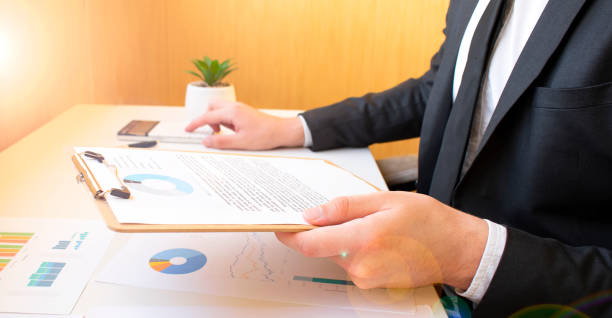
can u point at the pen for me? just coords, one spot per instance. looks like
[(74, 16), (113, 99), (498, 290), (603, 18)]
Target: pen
[(143, 144)]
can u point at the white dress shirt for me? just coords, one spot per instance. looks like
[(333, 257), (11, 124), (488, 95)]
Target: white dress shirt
[(516, 30)]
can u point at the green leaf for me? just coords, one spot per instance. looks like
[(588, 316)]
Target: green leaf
[(225, 73), (208, 77), (201, 66), (195, 74), (212, 72), (207, 61), (225, 65), (214, 69)]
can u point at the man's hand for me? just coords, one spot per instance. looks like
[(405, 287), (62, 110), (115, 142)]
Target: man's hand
[(253, 129), (395, 240)]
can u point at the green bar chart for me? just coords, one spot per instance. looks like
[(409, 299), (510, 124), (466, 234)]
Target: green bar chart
[(46, 274), (323, 280)]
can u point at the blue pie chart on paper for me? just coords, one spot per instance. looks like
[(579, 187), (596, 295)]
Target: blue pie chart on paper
[(157, 184), (177, 261)]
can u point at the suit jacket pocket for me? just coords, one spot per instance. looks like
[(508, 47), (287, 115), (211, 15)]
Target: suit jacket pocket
[(573, 98)]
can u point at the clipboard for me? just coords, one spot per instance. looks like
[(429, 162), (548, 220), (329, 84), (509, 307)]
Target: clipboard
[(85, 175)]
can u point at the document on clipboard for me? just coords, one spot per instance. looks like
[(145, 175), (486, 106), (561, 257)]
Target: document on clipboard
[(159, 190)]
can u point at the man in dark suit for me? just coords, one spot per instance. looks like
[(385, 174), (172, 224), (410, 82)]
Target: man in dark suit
[(515, 120)]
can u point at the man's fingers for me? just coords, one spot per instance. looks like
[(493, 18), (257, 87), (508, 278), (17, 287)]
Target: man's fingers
[(211, 117), (219, 104), (342, 249), (324, 241), (343, 209), (229, 141), (216, 127)]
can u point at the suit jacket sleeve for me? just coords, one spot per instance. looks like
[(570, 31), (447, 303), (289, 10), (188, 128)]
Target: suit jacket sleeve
[(393, 114), (535, 271)]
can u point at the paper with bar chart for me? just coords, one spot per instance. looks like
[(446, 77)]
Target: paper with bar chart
[(13, 315), (46, 263), (221, 311), (249, 265)]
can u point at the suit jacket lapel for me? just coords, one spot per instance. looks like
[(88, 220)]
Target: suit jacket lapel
[(544, 40), (454, 36), (459, 14), (462, 19)]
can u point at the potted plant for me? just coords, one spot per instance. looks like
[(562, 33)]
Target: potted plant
[(210, 88)]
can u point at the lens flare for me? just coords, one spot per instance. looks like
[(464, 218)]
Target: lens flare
[(5, 51)]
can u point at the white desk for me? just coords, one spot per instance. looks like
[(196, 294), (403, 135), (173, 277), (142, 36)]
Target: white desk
[(38, 180)]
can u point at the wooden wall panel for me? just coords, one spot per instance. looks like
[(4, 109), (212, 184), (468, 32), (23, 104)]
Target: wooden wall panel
[(306, 53), (43, 67), (129, 50), (290, 54)]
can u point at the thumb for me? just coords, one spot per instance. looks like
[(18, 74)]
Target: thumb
[(344, 209), (220, 141)]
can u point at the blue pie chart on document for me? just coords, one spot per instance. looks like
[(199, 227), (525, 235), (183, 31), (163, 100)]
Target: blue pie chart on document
[(177, 261), (157, 184)]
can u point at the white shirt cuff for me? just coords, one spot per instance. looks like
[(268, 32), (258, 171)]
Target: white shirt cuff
[(307, 133), (496, 242)]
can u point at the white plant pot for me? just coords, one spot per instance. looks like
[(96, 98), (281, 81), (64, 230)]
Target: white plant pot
[(198, 97)]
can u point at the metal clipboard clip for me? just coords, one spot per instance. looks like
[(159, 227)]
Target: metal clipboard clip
[(85, 175)]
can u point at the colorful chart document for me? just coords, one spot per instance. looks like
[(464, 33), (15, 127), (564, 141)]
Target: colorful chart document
[(249, 265), (286, 310), (38, 316), (174, 187), (46, 263)]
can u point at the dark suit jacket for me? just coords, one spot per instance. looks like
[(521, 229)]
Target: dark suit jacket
[(544, 168)]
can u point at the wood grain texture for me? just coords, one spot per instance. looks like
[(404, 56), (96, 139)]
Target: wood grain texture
[(290, 54), (44, 66)]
